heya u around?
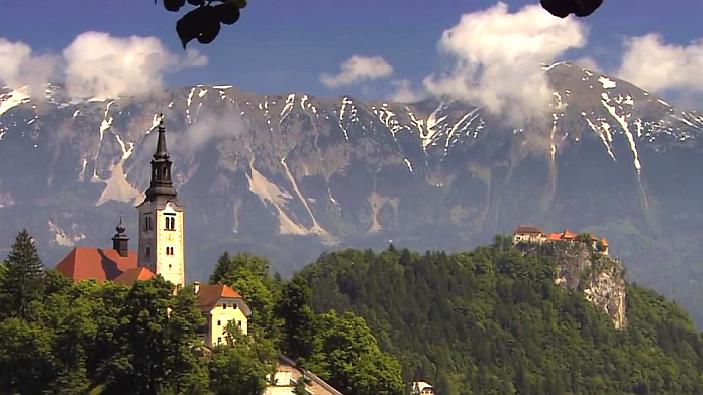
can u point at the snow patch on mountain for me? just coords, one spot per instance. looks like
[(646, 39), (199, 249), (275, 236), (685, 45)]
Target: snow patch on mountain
[(607, 82), (13, 99), (273, 196), (62, 238)]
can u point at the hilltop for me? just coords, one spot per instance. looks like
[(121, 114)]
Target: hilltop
[(504, 320)]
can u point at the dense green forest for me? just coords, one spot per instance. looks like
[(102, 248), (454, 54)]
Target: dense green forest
[(57, 337), (489, 321), (492, 321)]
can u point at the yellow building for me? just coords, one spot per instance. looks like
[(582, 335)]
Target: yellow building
[(528, 234), (220, 304)]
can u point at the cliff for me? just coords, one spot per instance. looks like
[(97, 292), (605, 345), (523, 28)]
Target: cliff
[(581, 268)]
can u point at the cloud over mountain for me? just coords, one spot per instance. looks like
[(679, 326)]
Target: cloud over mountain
[(358, 69), (494, 59), (101, 65), (95, 65), (19, 66), (658, 66)]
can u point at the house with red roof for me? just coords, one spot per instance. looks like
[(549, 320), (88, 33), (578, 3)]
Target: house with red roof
[(220, 304)]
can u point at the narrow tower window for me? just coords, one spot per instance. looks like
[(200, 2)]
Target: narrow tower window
[(170, 222)]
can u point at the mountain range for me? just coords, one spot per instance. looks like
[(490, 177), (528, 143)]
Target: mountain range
[(290, 175)]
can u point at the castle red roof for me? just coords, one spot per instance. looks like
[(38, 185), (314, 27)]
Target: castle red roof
[(568, 235), (130, 276), (604, 241), (527, 230), (208, 294), (554, 237), (100, 264)]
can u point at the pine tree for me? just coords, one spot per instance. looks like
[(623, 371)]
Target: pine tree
[(22, 282)]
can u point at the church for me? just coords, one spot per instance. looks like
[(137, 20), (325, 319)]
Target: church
[(160, 251)]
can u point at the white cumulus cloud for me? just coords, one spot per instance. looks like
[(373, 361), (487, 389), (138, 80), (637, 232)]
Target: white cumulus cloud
[(358, 69), (99, 65), (496, 57), (652, 64), (19, 66), (405, 93)]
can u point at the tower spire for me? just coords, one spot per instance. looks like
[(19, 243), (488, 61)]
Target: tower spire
[(120, 241), (161, 151), (161, 184)]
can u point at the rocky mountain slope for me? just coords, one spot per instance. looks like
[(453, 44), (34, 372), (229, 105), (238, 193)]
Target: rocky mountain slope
[(292, 175)]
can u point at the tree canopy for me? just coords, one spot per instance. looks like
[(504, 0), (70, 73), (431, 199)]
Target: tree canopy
[(493, 321), (103, 338)]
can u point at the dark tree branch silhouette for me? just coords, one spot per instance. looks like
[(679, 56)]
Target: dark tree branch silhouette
[(203, 22), (563, 8)]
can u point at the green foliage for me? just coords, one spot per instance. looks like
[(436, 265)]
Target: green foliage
[(242, 367), (346, 354), (103, 338), (492, 321), (296, 311), (157, 333), (22, 279), (26, 360), (250, 275)]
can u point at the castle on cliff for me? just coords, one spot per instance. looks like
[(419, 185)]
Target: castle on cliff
[(532, 235)]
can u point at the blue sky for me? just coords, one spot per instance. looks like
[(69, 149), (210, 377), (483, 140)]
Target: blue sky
[(280, 46)]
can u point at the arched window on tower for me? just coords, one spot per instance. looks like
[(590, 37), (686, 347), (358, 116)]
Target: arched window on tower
[(170, 222)]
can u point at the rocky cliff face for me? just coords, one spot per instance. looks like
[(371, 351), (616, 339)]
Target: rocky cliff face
[(600, 277), (291, 175)]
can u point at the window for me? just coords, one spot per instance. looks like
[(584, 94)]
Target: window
[(147, 253), (148, 223), (219, 341), (234, 305), (169, 250), (224, 305), (170, 222), (218, 323)]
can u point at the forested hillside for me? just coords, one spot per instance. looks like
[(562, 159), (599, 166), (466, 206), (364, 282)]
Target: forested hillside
[(489, 321), (492, 321)]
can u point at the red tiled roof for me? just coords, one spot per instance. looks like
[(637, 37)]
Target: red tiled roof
[(527, 230), (568, 235), (100, 264), (554, 236), (130, 276), (208, 294), (604, 241)]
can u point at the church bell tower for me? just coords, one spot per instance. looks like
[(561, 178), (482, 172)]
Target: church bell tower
[(161, 220)]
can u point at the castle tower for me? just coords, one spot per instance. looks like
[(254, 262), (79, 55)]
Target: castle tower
[(161, 219)]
